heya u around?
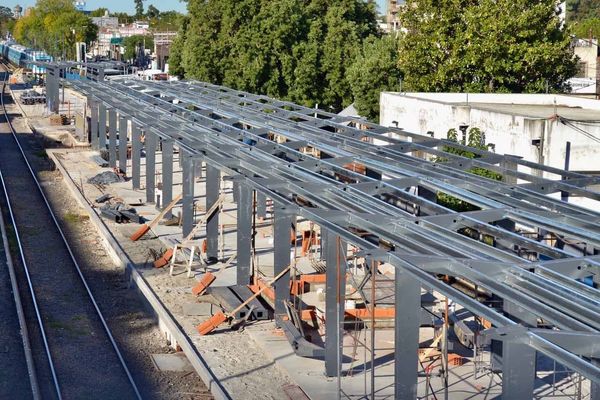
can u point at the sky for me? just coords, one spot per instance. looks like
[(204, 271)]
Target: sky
[(128, 5)]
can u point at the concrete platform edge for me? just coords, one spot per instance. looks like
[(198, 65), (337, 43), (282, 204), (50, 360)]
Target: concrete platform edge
[(166, 321)]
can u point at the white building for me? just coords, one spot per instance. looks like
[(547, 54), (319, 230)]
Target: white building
[(536, 127)]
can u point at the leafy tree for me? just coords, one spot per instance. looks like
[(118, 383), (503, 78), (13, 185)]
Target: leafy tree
[(132, 43), (291, 49), (123, 17), (99, 12), (166, 21), (579, 10), (175, 62), (139, 8), (6, 20), (587, 28), (484, 46), (152, 12), (374, 70), (475, 139), (55, 26)]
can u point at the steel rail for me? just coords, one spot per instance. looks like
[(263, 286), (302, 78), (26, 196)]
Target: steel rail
[(14, 284), (75, 263)]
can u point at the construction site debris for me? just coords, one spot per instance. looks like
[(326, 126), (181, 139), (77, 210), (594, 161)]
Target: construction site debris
[(119, 213), (30, 97), (105, 178), (100, 161), (103, 198), (57, 120)]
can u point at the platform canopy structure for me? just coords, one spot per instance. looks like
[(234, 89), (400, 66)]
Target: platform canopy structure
[(376, 188)]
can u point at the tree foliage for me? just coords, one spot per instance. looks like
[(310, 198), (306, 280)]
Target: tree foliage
[(374, 70), (139, 8), (135, 42), (99, 12), (55, 26), (587, 28), (579, 10), (152, 12), (6, 20), (475, 139), (484, 46), (291, 49)]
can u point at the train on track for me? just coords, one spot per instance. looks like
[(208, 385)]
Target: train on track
[(22, 56)]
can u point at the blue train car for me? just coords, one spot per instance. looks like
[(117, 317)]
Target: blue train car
[(22, 56)]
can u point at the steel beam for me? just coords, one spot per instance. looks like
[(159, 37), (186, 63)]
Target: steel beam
[(261, 205), (187, 211), (112, 138), (167, 174), (282, 226), (136, 154), (518, 370), (123, 143), (335, 298), (213, 183), (150, 144), (244, 233)]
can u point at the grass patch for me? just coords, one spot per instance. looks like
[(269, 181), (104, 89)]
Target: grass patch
[(72, 218)]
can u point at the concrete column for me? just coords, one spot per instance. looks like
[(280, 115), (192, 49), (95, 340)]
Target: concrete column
[(151, 140), (102, 126), (213, 180), (112, 138), (509, 165), (123, 134), (261, 205), (167, 173), (244, 233), (281, 242), (335, 292), (187, 213), (93, 124), (136, 151), (406, 335)]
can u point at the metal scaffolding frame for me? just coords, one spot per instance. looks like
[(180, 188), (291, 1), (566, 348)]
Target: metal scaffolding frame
[(258, 142)]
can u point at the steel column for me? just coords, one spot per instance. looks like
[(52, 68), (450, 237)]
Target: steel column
[(335, 293), (167, 173), (187, 211), (136, 153), (518, 370), (123, 144), (281, 259), (102, 126), (213, 181), (407, 292), (244, 233), (150, 165), (93, 124), (112, 138)]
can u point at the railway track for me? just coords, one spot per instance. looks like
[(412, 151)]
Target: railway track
[(73, 353)]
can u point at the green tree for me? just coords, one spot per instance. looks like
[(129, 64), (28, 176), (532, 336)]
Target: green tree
[(55, 26), (579, 10), (587, 28), (6, 20), (291, 49), (484, 46), (99, 12), (132, 43), (139, 8), (175, 61), (152, 12), (374, 70)]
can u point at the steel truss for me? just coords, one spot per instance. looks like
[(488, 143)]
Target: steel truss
[(261, 144)]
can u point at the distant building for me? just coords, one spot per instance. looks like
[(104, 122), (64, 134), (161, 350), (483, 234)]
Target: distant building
[(585, 82), (17, 10), (536, 127), (393, 8), (110, 36), (162, 48), (106, 21)]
